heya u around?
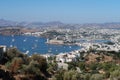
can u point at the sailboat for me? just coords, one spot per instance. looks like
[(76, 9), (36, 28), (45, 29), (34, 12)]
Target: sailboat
[(11, 45), (27, 52), (50, 50), (36, 40), (24, 40), (13, 40), (12, 35), (70, 47)]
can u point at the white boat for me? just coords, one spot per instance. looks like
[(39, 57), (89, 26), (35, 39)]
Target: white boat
[(27, 52), (12, 35), (11, 45), (50, 50), (24, 40), (13, 40), (36, 40)]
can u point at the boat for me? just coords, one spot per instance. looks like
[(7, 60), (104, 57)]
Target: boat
[(24, 40), (50, 50), (11, 45), (36, 40), (70, 47), (27, 52), (13, 40)]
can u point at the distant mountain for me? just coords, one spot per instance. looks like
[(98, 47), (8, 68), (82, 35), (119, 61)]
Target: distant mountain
[(6, 23), (41, 24)]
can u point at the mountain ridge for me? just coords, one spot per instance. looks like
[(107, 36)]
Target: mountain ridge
[(6, 23)]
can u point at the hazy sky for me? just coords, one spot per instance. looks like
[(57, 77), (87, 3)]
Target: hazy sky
[(68, 11)]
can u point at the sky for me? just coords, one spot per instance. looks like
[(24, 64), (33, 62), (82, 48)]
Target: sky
[(67, 11)]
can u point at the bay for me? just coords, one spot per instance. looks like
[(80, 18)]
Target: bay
[(33, 44)]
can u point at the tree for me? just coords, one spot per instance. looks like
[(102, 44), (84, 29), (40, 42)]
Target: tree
[(52, 67), (87, 76), (93, 66), (81, 65), (13, 52), (41, 61), (71, 75), (32, 68), (59, 74), (72, 65), (15, 65)]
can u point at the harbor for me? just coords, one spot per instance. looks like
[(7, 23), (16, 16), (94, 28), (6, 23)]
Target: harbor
[(31, 45)]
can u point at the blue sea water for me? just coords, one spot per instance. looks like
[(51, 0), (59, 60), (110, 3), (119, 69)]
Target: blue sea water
[(33, 44)]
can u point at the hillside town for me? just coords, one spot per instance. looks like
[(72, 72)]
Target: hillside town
[(102, 39), (97, 58)]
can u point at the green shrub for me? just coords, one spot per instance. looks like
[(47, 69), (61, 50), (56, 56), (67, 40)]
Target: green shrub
[(115, 75), (96, 77), (81, 65)]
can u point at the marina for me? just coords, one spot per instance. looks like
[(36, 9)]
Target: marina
[(31, 45)]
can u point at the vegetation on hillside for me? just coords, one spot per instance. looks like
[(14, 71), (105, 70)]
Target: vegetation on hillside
[(23, 66), (94, 66)]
